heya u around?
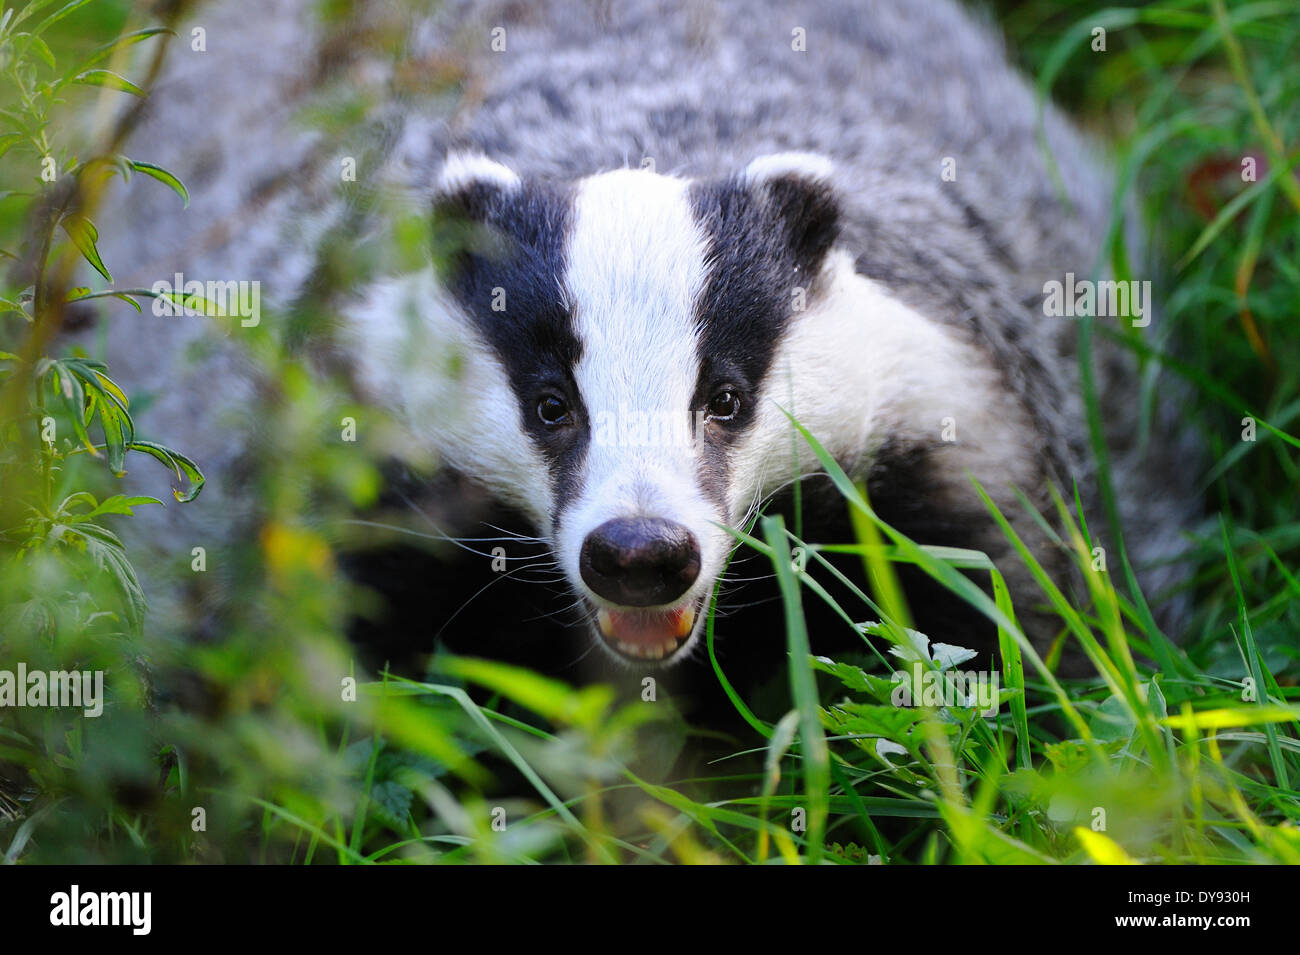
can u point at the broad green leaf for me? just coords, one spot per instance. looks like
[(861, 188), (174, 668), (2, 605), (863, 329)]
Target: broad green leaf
[(121, 504), (894, 723), (390, 802), (1112, 720)]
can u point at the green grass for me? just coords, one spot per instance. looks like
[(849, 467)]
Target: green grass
[(1174, 751)]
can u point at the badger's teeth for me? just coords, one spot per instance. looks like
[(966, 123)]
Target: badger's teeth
[(681, 621), (685, 622)]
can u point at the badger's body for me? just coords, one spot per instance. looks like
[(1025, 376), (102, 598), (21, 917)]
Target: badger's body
[(678, 224)]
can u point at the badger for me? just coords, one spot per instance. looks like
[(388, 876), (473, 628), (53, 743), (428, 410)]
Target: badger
[(669, 231)]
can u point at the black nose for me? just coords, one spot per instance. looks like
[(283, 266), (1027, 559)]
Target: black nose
[(640, 561)]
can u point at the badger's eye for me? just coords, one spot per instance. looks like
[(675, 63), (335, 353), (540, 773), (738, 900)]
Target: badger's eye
[(723, 406), (553, 411)]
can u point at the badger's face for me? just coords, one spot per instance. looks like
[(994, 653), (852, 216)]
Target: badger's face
[(627, 323)]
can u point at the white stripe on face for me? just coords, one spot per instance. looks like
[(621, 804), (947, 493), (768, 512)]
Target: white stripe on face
[(636, 265)]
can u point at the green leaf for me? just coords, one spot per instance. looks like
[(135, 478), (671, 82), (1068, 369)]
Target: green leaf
[(123, 294), (390, 802), (57, 15), (106, 549), (84, 235), (163, 176), (556, 701), (108, 79), (40, 46), (89, 363), (854, 677), (9, 140), (1101, 848), (129, 301), (813, 751), (111, 403), (64, 510), (24, 833), (192, 302), (126, 39), (110, 417), (117, 504), (109, 385), (179, 463), (893, 723), (1113, 720), (73, 392), (7, 305)]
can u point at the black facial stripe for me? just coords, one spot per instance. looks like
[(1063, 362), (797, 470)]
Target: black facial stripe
[(511, 254), (764, 241)]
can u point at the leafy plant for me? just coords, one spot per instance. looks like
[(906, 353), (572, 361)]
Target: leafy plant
[(73, 396), (71, 597)]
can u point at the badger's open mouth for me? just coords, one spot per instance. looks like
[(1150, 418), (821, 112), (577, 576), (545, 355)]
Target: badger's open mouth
[(651, 633)]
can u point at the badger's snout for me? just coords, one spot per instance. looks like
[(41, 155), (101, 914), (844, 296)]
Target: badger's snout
[(640, 561)]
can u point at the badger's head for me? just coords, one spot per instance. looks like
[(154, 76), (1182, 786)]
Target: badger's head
[(624, 328)]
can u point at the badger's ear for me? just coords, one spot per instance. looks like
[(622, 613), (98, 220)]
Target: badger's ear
[(472, 186), (470, 199), (798, 190)]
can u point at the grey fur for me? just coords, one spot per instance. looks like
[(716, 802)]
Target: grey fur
[(886, 88)]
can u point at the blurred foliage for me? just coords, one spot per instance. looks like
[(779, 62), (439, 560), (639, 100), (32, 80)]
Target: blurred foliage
[(1196, 97)]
